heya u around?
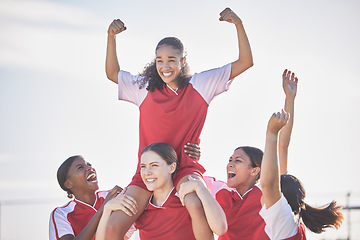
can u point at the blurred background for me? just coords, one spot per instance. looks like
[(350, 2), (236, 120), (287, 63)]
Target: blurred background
[(55, 99)]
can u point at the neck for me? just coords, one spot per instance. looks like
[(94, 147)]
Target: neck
[(244, 188), (160, 195), (88, 198)]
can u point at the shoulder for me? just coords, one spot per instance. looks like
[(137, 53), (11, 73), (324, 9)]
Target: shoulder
[(102, 194)]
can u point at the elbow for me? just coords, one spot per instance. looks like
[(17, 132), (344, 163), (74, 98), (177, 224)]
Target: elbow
[(249, 63), (222, 228)]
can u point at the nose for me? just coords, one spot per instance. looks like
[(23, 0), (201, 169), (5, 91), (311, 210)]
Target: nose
[(166, 65), (147, 171), (230, 164)]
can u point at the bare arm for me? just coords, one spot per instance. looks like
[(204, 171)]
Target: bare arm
[(270, 176), (214, 213), (245, 59), (88, 232), (290, 89), (121, 202), (112, 66)]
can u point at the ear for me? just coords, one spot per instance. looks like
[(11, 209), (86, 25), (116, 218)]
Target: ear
[(172, 168), (255, 171), (68, 184), (183, 62)]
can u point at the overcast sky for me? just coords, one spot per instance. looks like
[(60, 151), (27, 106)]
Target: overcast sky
[(55, 99)]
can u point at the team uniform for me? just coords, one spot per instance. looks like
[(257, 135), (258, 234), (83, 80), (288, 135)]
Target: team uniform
[(248, 220), (281, 223), (171, 220), (174, 117), (242, 212), (73, 217)]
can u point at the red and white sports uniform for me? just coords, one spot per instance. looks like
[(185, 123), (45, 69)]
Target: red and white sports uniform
[(170, 221), (73, 217), (173, 117), (242, 212), (281, 223)]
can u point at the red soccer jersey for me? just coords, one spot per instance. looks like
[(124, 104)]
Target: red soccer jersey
[(174, 117), (73, 217), (171, 221), (300, 235), (242, 212)]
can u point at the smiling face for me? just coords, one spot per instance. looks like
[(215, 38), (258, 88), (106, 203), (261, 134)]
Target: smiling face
[(240, 172), (81, 177), (156, 173), (169, 62)]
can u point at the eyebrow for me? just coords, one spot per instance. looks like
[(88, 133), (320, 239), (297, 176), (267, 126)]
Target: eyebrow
[(168, 57)]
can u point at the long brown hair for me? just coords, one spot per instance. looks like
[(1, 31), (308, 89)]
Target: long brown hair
[(315, 219)]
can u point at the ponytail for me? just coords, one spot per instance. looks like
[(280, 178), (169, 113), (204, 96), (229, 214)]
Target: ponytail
[(315, 219), (318, 219)]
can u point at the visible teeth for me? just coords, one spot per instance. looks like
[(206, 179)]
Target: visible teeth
[(91, 177), (150, 179), (166, 74)]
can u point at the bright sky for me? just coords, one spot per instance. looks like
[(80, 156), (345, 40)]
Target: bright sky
[(55, 99)]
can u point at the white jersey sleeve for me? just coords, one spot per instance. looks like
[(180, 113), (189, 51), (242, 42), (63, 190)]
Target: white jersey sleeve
[(59, 225), (280, 220), (212, 82), (129, 88)]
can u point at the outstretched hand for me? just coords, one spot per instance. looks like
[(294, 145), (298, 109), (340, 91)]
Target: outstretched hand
[(123, 202), (277, 121), (289, 83), (229, 16), (116, 27)]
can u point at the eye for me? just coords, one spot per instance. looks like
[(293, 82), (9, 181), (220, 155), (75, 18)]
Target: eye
[(80, 167), (159, 61), (142, 166), (154, 165), (172, 60)]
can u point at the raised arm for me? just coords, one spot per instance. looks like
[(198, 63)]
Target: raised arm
[(112, 66), (290, 89), (270, 176), (214, 213), (245, 59)]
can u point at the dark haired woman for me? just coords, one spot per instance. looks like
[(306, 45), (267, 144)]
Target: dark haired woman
[(285, 211), (79, 218), (173, 107), (165, 217)]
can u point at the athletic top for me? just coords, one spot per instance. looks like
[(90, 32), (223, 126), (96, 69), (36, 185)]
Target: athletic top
[(174, 117), (281, 223), (73, 217), (170, 221), (242, 212)]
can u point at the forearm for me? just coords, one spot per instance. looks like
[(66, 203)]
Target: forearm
[(89, 231), (245, 59), (270, 178), (112, 65), (285, 134), (101, 229), (214, 213)]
